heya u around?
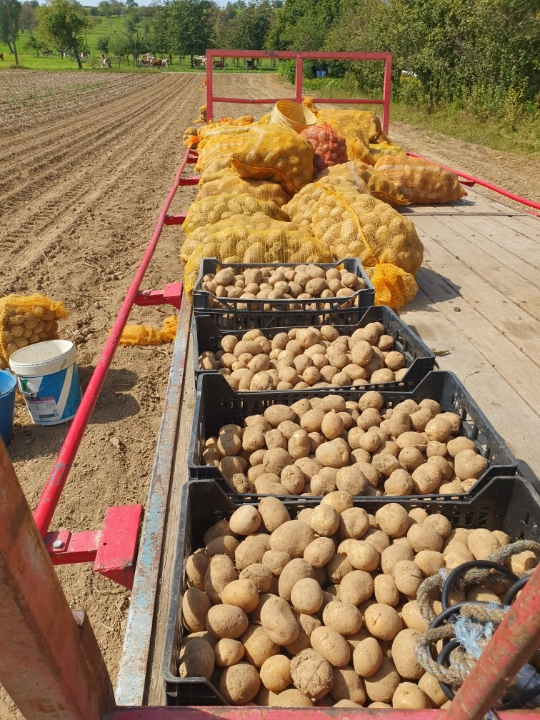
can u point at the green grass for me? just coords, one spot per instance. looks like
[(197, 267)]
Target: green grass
[(511, 130)]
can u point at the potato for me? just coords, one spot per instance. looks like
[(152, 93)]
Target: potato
[(307, 624), (400, 482), (332, 425), (431, 687), (438, 429), (228, 652), (347, 686), (276, 414), (343, 617), (382, 621), (275, 561), (468, 464), (219, 574), (521, 562), (339, 499), (196, 659), (196, 567), (334, 453), (408, 696), (229, 444), (352, 480), (324, 520), (367, 657), (276, 673), (319, 552), (363, 555), (245, 520), (279, 622), (311, 674), (412, 617), (482, 543), (273, 513), (393, 554), (223, 545), (393, 520), (307, 596), (403, 654), (311, 421), (385, 590), (382, 684), (292, 698), (259, 574), (258, 647), (276, 459), (353, 523), (459, 444), (242, 593), (338, 567), (408, 577), (424, 537), (429, 562), (232, 465), (292, 537), (251, 550), (377, 538), (239, 684), (440, 524), (356, 587), (331, 645), (226, 621), (292, 479), (195, 606), (299, 445), (411, 458), (275, 439)]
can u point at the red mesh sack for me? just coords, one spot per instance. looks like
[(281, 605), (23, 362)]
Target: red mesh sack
[(330, 148)]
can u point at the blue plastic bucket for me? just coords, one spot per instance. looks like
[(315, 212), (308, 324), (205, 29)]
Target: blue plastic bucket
[(8, 383), (48, 378)]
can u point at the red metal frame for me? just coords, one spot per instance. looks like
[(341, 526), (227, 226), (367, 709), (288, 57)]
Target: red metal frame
[(300, 57), (472, 180), (113, 549)]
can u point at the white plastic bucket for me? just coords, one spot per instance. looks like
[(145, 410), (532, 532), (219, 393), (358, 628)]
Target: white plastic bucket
[(48, 378), (293, 115)]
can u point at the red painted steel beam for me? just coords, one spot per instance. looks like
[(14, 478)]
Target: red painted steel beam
[(175, 219), (483, 183), (50, 664), (171, 295), (271, 713), (67, 548), (57, 479), (513, 643)]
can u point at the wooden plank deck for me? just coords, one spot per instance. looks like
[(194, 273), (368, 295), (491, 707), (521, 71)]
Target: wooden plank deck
[(479, 300)]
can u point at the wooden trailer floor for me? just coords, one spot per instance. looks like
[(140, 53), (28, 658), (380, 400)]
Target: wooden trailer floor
[(479, 304)]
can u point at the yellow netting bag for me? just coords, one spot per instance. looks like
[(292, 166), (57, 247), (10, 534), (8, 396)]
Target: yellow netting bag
[(300, 208), (420, 181), (218, 146), (282, 243), (367, 120), (277, 153), (308, 102), (227, 181), (393, 286), (343, 123), (224, 122), (380, 149), (379, 185), (148, 335), (250, 223), (27, 320), (213, 208)]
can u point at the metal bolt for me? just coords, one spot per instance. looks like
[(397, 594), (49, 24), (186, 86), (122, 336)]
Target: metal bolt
[(58, 544)]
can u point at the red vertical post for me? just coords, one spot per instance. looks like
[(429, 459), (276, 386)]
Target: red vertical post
[(50, 665), (387, 89), (209, 93), (508, 650), (298, 78)]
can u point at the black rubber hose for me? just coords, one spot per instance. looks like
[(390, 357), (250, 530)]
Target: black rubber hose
[(462, 569), (442, 658), (451, 609), (516, 587)]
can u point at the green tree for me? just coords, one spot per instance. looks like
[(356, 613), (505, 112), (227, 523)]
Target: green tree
[(191, 26), (27, 17), (10, 11), (118, 48), (34, 43), (250, 27), (159, 32), (62, 23), (102, 44)]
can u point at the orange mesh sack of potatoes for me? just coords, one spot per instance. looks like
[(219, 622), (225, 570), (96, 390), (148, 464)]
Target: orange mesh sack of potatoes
[(281, 243), (367, 120), (148, 335), (27, 320), (420, 181), (276, 153), (251, 223), (218, 145), (300, 208), (379, 149), (226, 182), (329, 148), (393, 286), (213, 208), (343, 122), (378, 184)]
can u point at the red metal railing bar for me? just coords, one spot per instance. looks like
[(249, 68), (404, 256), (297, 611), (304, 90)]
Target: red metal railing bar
[(57, 479), (508, 650), (484, 183)]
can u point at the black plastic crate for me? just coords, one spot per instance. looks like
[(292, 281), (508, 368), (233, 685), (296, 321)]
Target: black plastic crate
[(419, 359), (217, 405), (230, 317), (508, 504)]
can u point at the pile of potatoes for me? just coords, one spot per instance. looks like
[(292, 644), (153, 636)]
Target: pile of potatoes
[(319, 445), (322, 610), (303, 282), (307, 357), (25, 326)]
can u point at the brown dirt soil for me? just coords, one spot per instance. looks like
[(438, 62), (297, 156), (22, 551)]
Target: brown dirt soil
[(84, 176)]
